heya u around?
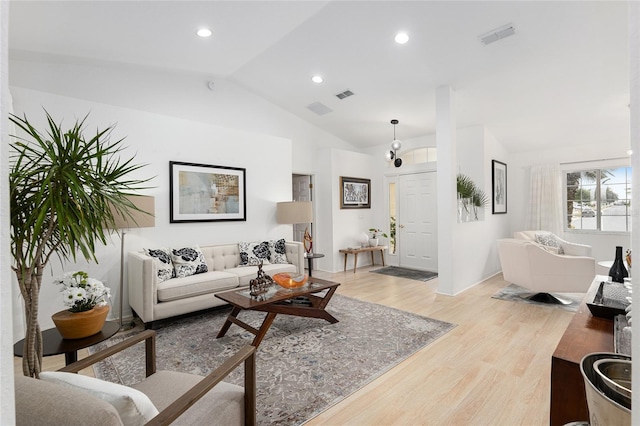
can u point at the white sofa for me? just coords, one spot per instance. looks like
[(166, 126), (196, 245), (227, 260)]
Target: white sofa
[(153, 300), (528, 264)]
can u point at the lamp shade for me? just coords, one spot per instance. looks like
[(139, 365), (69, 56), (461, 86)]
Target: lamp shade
[(137, 219), (294, 212)]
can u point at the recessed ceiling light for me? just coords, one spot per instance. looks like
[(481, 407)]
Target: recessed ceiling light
[(401, 38), (204, 32), (317, 79)]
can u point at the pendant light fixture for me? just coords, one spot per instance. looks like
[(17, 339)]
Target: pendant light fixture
[(395, 147)]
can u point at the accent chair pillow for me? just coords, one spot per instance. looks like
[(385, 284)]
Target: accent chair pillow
[(252, 254), (188, 261), (549, 242), (163, 260), (134, 407), (278, 251)]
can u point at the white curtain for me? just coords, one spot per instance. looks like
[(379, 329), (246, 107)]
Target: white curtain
[(545, 203)]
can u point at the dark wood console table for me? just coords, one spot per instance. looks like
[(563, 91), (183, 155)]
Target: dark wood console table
[(584, 335)]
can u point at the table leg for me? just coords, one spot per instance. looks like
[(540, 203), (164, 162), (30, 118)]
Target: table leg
[(373, 262), (228, 322), (70, 357), (310, 262), (355, 262), (264, 328), (382, 256), (345, 262)]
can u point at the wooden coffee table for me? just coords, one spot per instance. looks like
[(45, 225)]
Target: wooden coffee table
[(302, 302)]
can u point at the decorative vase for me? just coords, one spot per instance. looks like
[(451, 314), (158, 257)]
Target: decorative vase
[(78, 325), (373, 242), (618, 272)]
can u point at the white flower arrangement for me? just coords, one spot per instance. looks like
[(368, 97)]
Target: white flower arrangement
[(82, 293)]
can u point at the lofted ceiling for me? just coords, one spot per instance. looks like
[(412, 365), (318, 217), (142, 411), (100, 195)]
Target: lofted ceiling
[(562, 79)]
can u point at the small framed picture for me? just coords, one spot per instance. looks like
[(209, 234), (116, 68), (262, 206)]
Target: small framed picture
[(204, 193), (499, 182), (355, 193)]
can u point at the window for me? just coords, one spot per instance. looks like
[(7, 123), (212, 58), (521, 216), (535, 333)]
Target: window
[(599, 199)]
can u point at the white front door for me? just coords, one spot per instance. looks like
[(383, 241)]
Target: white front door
[(301, 192), (416, 227)]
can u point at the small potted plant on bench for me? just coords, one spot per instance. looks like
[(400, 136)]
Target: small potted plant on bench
[(375, 232)]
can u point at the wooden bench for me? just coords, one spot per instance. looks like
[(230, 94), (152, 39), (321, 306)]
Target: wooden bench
[(356, 251)]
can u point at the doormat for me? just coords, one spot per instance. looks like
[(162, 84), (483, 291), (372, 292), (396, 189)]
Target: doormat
[(303, 366), (412, 274), (514, 293)]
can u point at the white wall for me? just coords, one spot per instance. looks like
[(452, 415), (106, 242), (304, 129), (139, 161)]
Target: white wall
[(346, 225), (7, 400), (155, 140), (475, 254)]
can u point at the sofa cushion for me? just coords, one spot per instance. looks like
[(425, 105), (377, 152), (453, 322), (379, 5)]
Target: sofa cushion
[(254, 253), (222, 405), (134, 407), (42, 403), (278, 251), (549, 242), (163, 261), (195, 285), (188, 261)]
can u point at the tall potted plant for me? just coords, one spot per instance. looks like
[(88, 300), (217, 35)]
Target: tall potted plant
[(61, 185)]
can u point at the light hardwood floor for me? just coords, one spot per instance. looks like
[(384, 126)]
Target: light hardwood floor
[(492, 369)]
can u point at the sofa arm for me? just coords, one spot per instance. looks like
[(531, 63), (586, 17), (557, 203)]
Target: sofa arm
[(295, 254), (574, 249), (142, 274)]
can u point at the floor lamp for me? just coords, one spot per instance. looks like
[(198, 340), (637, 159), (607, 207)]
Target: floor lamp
[(293, 212), (142, 218)]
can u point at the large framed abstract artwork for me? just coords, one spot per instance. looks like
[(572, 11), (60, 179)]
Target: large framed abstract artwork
[(205, 193), (499, 182), (355, 193)]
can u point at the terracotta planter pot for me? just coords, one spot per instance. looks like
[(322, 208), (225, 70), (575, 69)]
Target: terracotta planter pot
[(78, 325)]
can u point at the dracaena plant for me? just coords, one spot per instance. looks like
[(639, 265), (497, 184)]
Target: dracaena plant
[(65, 189)]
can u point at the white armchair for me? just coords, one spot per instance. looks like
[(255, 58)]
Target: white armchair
[(529, 265)]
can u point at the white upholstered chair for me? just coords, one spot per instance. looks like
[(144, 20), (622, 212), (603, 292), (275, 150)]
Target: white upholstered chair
[(160, 399), (529, 265)]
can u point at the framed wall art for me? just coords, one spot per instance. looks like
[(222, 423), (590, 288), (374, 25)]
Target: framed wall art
[(355, 193), (499, 183), (205, 193)]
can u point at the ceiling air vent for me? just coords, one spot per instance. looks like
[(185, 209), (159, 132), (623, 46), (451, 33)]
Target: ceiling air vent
[(319, 108), (344, 94), (497, 34)]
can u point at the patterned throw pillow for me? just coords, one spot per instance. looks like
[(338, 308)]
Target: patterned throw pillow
[(252, 254), (278, 251), (165, 265), (549, 242), (188, 261)]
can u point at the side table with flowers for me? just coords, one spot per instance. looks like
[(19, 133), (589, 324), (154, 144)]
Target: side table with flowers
[(87, 299)]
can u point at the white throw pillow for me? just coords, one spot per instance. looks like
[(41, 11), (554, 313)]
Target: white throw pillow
[(134, 407), (549, 241), (252, 254), (188, 261), (278, 251), (163, 260)]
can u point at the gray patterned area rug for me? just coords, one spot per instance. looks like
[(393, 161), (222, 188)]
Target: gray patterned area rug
[(303, 365), (412, 274), (514, 293)]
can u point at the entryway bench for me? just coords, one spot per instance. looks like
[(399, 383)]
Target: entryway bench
[(356, 251)]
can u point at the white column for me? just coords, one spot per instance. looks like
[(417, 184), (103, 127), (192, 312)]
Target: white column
[(7, 405), (634, 84), (447, 198)]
